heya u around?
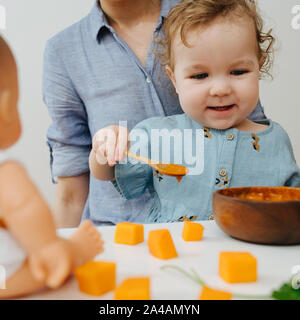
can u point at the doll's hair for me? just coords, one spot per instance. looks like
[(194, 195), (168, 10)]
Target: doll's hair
[(4, 48), (189, 14), (4, 52)]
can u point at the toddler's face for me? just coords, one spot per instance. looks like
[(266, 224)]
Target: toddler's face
[(217, 78)]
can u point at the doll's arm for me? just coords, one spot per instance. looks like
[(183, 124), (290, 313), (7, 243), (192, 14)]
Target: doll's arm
[(23, 209), (29, 219)]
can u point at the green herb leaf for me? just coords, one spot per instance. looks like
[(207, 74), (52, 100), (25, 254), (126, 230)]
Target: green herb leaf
[(195, 277), (286, 292)]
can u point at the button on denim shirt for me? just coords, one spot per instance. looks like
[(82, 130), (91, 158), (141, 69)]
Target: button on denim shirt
[(92, 79), (232, 158)]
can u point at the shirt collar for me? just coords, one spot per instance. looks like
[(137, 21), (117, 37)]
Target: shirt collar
[(98, 20), (166, 5)]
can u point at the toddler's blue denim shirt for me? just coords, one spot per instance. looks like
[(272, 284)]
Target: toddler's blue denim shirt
[(92, 79), (232, 158)]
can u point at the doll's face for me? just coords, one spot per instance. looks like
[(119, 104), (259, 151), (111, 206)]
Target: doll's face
[(10, 127), (217, 77)]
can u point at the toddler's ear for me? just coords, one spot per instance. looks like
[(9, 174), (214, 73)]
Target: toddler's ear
[(5, 112), (171, 76)]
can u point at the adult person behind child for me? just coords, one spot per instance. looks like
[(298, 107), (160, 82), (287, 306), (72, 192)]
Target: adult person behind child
[(98, 72)]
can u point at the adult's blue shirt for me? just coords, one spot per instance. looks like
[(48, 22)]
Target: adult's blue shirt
[(92, 79)]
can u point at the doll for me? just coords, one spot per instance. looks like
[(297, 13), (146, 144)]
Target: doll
[(32, 255)]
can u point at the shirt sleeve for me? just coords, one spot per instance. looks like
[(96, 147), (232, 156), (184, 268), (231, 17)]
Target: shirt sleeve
[(68, 136), (133, 177), (289, 170), (258, 113)]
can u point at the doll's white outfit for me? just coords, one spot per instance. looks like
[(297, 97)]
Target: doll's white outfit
[(12, 255)]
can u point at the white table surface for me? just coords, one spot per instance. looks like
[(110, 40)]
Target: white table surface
[(274, 264)]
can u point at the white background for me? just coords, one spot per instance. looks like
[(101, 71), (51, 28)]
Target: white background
[(31, 22)]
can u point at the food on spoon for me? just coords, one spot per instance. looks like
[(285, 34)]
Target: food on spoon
[(96, 277), (133, 289), (129, 233), (161, 245), (235, 267), (192, 231), (172, 169)]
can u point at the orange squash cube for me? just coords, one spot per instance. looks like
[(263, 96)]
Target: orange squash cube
[(161, 245), (133, 289), (235, 267), (129, 233), (192, 231), (212, 294), (96, 277)]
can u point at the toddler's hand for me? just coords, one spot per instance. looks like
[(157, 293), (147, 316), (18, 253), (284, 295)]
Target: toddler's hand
[(110, 144)]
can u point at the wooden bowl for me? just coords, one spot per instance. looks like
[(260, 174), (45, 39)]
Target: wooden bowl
[(267, 215)]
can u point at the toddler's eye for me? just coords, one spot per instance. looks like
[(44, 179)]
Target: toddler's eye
[(199, 76), (238, 72)]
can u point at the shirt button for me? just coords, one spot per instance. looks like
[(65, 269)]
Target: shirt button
[(211, 217), (230, 136), (148, 80), (222, 172)]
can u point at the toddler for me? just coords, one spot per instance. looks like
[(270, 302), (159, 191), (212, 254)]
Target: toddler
[(215, 52)]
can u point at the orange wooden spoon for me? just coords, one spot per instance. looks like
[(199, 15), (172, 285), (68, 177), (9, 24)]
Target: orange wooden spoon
[(169, 169)]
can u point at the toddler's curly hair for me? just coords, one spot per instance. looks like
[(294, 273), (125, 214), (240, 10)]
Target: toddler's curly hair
[(192, 13)]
